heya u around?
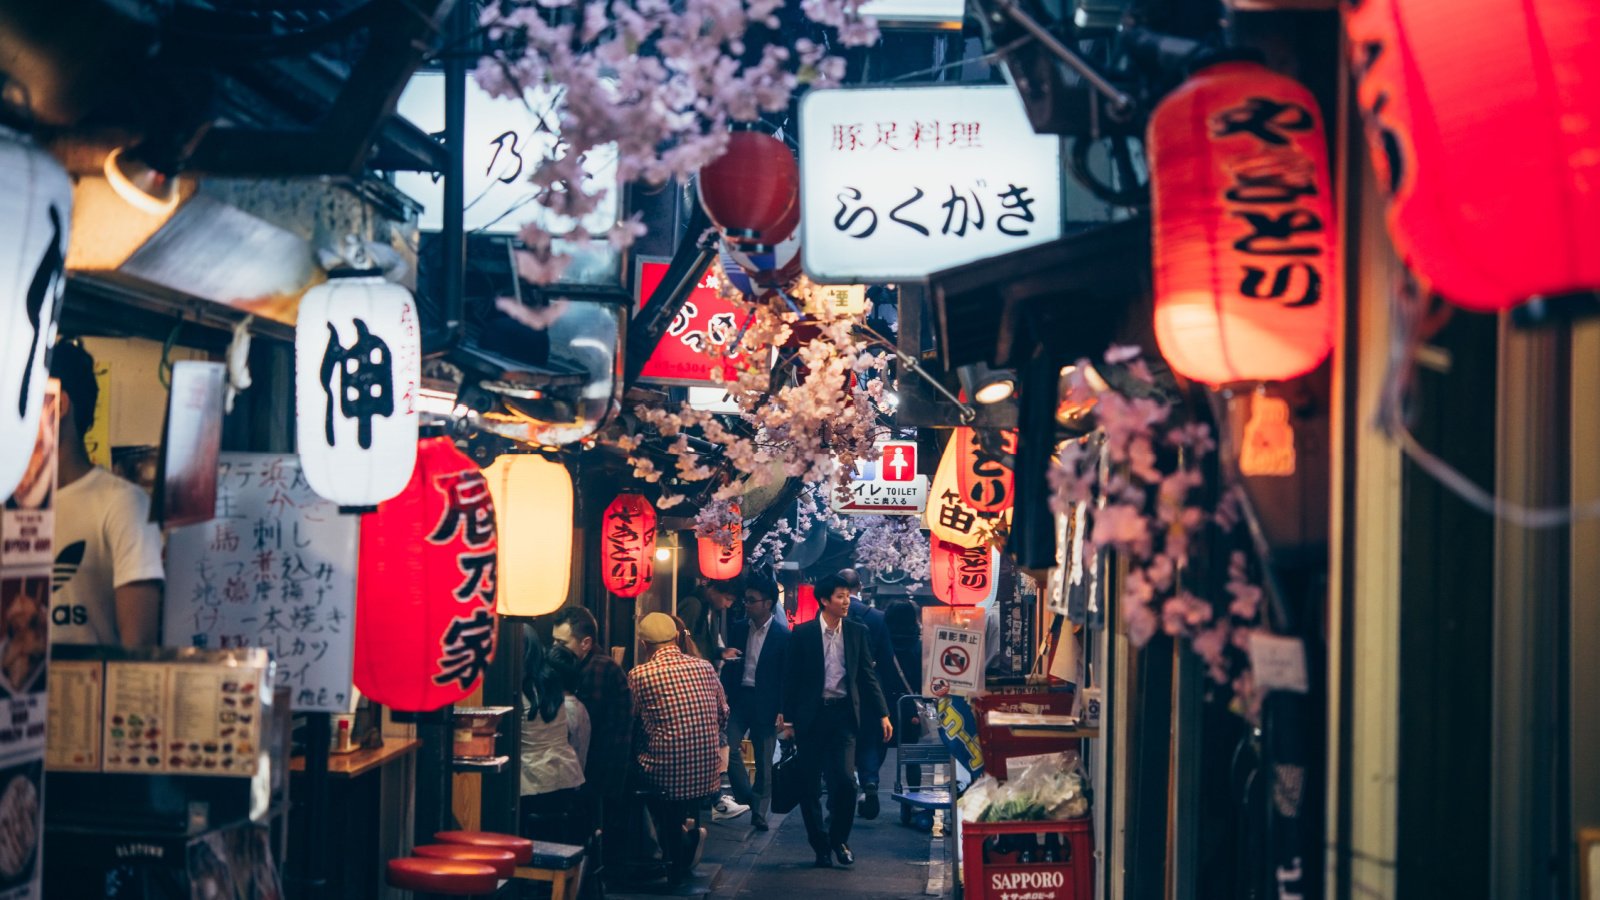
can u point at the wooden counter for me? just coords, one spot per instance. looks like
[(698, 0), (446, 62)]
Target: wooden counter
[(349, 765)]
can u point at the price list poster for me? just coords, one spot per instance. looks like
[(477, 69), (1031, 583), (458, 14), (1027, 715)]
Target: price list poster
[(27, 529), (276, 568)]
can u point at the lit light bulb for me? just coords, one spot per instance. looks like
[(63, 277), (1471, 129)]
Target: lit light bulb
[(663, 554)]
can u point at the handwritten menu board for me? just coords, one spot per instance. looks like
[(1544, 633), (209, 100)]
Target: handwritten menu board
[(276, 569), (77, 689)]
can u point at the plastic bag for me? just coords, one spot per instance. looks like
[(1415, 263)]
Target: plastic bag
[(1050, 787)]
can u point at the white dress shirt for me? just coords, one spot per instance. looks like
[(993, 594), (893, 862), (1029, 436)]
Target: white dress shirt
[(752, 651), (832, 660)]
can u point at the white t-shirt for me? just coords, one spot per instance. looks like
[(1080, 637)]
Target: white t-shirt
[(104, 539)]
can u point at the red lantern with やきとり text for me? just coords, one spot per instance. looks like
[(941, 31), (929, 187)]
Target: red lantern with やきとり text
[(753, 190), (425, 588), (984, 462), (962, 576), (718, 562), (1483, 118), (628, 537), (1247, 279)]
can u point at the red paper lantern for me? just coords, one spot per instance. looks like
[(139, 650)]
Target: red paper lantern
[(720, 563), (628, 533), (425, 589), (1484, 122), (805, 605), (962, 576), (984, 460), (1246, 268), (752, 190)]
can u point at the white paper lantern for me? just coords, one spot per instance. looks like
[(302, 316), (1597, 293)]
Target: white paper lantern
[(533, 516), (35, 214), (357, 370)]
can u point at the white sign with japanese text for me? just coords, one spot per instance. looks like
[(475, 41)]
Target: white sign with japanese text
[(954, 662), (896, 183), (924, 13), (887, 486), (276, 568)]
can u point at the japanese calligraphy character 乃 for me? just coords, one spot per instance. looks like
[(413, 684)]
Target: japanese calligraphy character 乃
[(361, 375), (467, 647)]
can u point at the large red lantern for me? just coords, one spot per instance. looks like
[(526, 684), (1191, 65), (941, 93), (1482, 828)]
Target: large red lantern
[(1484, 122), (628, 534), (720, 563), (425, 589), (1246, 269), (962, 576), (753, 189), (984, 461)]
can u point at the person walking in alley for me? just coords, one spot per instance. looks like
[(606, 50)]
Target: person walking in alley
[(871, 748), (830, 689), (683, 716), (753, 680)]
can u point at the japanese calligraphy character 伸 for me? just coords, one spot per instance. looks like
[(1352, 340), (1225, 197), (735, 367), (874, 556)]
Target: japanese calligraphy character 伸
[(364, 373)]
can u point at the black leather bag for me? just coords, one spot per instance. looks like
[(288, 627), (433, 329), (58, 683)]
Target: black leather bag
[(787, 783)]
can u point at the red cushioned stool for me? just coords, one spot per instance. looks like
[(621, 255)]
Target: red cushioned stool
[(455, 878), (504, 862), (521, 848)]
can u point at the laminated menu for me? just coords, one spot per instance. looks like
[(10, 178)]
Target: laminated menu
[(136, 720), (216, 720), (76, 692)]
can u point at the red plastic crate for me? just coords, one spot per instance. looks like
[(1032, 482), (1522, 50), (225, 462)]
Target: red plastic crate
[(1004, 879)]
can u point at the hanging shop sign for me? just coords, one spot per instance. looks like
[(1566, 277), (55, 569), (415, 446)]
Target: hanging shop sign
[(954, 664), (35, 214), (896, 183), (962, 576), (985, 460), (357, 370), (718, 562), (533, 516), (191, 439), (628, 536), (275, 568), (425, 592), (948, 515), (887, 486), (837, 300), (1245, 258), (705, 328), (1438, 121), (916, 13)]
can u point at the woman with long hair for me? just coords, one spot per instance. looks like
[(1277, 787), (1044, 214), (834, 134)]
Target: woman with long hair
[(552, 770)]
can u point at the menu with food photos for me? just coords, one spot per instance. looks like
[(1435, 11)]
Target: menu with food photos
[(185, 718), (136, 719)]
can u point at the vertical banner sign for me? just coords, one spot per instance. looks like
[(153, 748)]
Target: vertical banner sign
[(27, 524), (1019, 604), (896, 183), (707, 324), (275, 568)]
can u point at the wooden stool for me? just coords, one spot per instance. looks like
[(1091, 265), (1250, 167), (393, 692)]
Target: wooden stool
[(560, 864), (455, 878), (502, 861)]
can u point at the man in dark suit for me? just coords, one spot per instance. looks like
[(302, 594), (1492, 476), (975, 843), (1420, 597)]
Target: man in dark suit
[(869, 746), (829, 691), (753, 681)]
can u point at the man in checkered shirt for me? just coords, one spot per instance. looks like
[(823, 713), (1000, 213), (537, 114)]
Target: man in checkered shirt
[(683, 715)]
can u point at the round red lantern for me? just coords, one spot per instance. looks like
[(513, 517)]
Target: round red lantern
[(984, 461), (720, 563), (752, 190), (1482, 119), (1245, 244), (425, 588), (628, 535), (962, 576)]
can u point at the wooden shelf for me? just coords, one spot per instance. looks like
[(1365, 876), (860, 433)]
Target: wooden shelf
[(349, 765)]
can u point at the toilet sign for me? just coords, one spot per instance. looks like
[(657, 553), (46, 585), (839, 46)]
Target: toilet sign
[(889, 486)]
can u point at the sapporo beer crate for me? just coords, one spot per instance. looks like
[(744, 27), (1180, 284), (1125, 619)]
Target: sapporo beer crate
[(1028, 860)]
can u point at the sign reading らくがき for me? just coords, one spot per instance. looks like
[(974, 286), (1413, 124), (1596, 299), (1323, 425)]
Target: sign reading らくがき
[(896, 183)]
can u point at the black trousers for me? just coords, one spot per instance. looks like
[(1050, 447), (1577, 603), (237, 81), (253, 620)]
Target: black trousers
[(828, 750), (670, 817)]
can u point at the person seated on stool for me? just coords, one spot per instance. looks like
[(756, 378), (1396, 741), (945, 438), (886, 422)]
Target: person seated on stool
[(683, 714), (830, 690)]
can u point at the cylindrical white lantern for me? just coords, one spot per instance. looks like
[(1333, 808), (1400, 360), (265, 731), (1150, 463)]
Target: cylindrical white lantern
[(357, 370), (35, 215), (533, 515)]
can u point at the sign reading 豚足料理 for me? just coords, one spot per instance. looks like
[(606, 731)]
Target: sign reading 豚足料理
[(888, 485), (896, 183)]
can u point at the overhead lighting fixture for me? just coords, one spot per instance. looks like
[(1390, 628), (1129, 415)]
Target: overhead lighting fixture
[(663, 554), (985, 385), (140, 185)]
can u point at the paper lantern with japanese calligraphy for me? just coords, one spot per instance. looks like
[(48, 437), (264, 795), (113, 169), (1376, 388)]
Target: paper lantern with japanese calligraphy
[(425, 585), (752, 189), (718, 562), (628, 542), (949, 516), (1484, 121), (985, 460), (533, 514), (35, 214), (962, 576), (1245, 244), (357, 369)]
